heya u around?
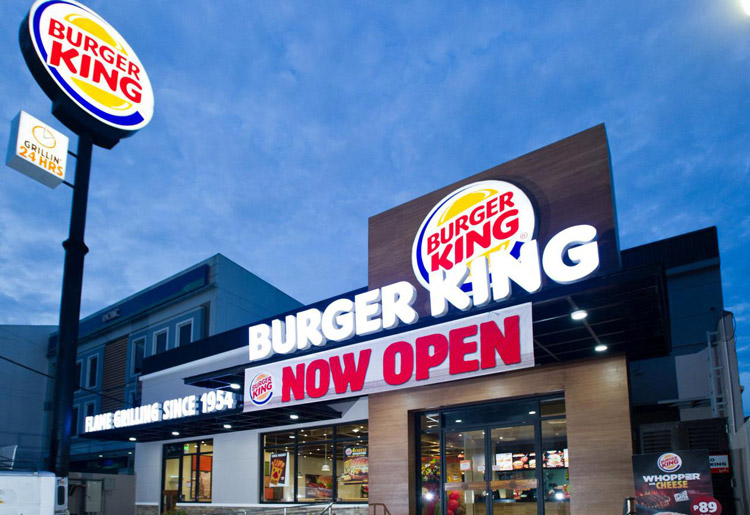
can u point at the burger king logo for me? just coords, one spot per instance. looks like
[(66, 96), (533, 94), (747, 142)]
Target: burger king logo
[(669, 462), (261, 388), (471, 222), (91, 63)]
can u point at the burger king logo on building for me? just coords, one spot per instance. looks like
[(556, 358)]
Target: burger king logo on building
[(261, 388), (90, 62), (473, 221), (669, 462)]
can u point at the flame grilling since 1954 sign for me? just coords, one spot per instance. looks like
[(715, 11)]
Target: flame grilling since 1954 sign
[(95, 80)]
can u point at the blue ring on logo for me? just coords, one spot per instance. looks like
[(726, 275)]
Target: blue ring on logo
[(131, 119), (261, 403), (420, 263)]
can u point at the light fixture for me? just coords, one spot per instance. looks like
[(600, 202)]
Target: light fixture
[(227, 426), (429, 496), (579, 314), (101, 455), (600, 348), (235, 386), (326, 467), (292, 437), (356, 430), (559, 496), (458, 421), (294, 416), (532, 412), (175, 433), (132, 438), (130, 452)]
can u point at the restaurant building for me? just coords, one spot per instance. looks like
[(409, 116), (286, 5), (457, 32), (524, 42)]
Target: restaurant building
[(505, 357)]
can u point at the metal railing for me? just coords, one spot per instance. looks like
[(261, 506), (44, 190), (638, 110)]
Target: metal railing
[(373, 509), (302, 509)]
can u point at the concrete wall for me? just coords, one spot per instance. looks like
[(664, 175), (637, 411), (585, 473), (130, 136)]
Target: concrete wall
[(244, 297), (24, 392)]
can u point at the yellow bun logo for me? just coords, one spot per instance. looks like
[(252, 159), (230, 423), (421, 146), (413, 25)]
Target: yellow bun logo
[(472, 221), (89, 60)]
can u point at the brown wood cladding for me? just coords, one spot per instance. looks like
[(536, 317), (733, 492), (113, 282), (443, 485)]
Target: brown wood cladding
[(569, 181), (598, 425), (114, 375)]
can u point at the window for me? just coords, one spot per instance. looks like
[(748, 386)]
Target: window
[(184, 333), (139, 348), (188, 471), (90, 409), (77, 379), (93, 370), (74, 422), (500, 458), (160, 341), (316, 464)]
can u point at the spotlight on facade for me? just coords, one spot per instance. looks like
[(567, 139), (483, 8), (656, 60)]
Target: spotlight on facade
[(579, 314)]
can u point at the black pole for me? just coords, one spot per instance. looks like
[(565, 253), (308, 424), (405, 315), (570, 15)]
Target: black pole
[(70, 310)]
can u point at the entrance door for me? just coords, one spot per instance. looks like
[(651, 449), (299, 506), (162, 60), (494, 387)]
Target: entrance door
[(465, 472), (170, 488), (486, 460), (513, 479)]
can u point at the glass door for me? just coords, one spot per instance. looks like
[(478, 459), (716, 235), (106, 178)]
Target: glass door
[(465, 466), (508, 458), (514, 476)]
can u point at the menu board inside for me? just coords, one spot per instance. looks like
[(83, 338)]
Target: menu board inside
[(508, 461)]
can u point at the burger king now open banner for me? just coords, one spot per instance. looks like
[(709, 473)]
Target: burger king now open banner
[(493, 342)]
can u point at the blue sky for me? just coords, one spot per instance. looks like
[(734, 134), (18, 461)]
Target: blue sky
[(280, 127)]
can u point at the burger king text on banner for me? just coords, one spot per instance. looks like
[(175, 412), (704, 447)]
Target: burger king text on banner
[(497, 341)]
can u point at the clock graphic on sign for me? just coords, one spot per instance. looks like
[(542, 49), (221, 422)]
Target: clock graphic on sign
[(43, 136)]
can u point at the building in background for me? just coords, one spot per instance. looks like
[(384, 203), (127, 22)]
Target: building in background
[(23, 375), (207, 298)]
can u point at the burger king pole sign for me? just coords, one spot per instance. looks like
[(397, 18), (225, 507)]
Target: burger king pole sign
[(99, 90), (95, 80)]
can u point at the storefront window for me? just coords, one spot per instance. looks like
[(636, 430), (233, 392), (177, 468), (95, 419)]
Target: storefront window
[(279, 474), (352, 466), (555, 452), (429, 463), (492, 459), (316, 464), (188, 469), (315, 480)]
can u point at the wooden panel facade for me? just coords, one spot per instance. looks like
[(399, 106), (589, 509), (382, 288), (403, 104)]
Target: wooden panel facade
[(570, 183), (598, 425)]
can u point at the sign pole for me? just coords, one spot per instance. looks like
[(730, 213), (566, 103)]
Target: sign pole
[(70, 309)]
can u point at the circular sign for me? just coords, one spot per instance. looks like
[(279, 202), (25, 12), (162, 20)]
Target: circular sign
[(705, 505), (95, 80), (473, 221), (261, 388), (669, 462)]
